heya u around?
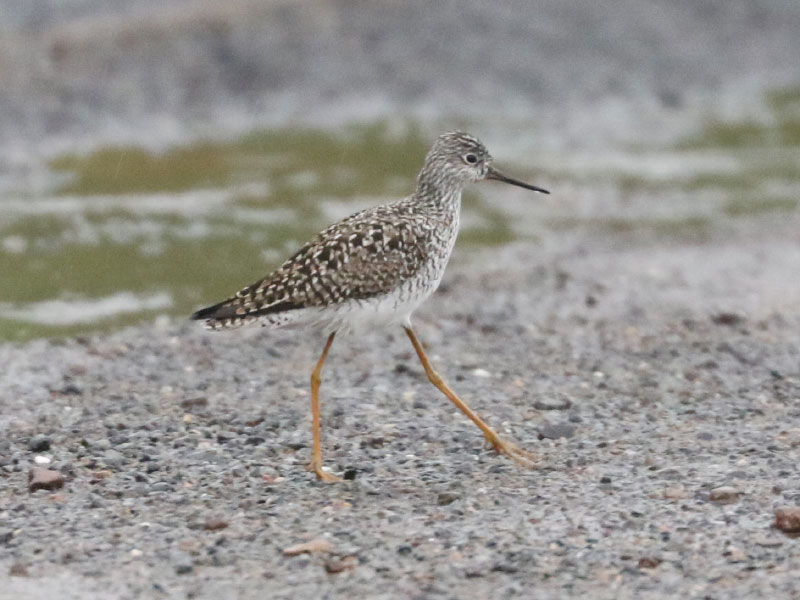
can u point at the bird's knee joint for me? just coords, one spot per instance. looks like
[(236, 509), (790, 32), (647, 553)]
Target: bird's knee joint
[(434, 378)]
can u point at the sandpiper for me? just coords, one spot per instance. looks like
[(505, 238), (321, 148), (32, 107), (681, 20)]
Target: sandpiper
[(374, 267)]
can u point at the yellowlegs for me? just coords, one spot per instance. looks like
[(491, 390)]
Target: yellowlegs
[(374, 267)]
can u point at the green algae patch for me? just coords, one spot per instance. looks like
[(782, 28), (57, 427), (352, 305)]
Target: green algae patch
[(130, 170), (359, 159), (759, 205), (780, 127)]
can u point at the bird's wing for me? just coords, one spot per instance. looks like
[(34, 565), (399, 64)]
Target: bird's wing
[(360, 257)]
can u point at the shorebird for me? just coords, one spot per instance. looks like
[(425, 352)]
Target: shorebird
[(374, 267)]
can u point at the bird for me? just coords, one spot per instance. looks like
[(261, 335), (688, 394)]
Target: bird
[(374, 268)]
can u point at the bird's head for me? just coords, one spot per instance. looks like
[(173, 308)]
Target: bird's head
[(458, 158)]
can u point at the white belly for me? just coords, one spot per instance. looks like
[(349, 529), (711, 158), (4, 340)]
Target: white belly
[(362, 315)]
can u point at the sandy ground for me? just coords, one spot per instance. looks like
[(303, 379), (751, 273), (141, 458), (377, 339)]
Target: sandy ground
[(645, 379)]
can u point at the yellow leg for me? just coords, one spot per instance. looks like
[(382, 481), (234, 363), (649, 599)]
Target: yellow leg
[(316, 453), (519, 455)]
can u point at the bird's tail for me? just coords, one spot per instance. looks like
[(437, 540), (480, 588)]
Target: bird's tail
[(228, 315)]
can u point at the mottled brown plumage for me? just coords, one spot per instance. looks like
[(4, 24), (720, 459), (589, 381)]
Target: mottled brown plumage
[(367, 254)]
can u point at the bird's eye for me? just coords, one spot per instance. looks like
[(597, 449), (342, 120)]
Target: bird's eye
[(471, 158)]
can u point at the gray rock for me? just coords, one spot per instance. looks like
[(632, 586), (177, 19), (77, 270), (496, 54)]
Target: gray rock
[(39, 443), (95, 501), (182, 562), (671, 473), (554, 431), (552, 403), (113, 459), (6, 535)]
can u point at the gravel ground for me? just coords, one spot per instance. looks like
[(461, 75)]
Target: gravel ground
[(659, 390)]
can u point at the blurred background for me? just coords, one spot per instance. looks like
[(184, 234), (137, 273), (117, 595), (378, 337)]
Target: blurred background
[(156, 155)]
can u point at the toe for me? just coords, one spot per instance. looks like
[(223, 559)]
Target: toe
[(518, 455), (322, 474), (327, 477)]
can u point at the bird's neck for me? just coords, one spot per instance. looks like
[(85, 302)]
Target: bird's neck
[(438, 194), (443, 201)]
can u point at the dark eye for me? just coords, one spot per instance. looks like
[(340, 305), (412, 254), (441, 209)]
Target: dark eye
[(471, 159)]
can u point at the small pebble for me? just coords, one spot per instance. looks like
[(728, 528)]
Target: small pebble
[(316, 545), (44, 479), (669, 473), (194, 402), (214, 524), (341, 564), (71, 390), (113, 458), (39, 443), (552, 404), (476, 570), (675, 492), (735, 554), (182, 562), (446, 498), (95, 501), (724, 495), (727, 318), (767, 541), (42, 460), (555, 431), (787, 519), (649, 562)]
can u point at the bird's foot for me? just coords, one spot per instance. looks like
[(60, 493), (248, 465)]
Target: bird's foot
[(322, 475), (520, 456)]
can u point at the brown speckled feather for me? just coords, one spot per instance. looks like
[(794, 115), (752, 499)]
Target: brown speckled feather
[(365, 255)]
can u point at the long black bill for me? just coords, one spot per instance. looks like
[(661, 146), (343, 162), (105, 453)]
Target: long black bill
[(497, 175)]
